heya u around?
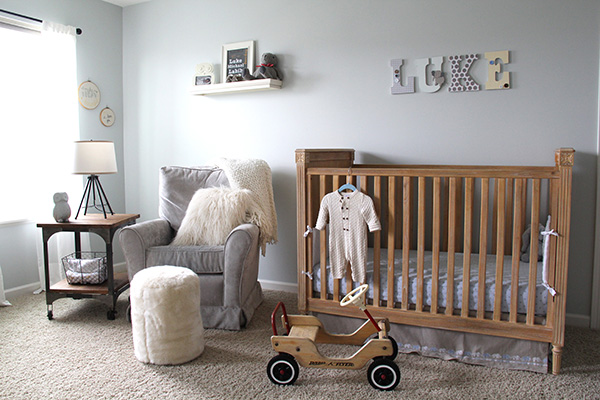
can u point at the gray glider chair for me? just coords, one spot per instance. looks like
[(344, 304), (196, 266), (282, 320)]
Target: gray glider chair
[(229, 287)]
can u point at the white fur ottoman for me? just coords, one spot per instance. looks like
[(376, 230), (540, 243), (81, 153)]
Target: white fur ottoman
[(165, 315)]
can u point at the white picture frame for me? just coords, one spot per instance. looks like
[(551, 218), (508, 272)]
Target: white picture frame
[(235, 57), (205, 74)]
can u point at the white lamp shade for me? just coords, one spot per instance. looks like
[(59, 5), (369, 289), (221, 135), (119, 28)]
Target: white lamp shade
[(93, 157)]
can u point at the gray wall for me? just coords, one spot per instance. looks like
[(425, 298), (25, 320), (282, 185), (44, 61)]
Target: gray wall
[(99, 59), (335, 56)]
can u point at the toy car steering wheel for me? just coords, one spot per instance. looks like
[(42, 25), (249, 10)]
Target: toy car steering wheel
[(355, 297)]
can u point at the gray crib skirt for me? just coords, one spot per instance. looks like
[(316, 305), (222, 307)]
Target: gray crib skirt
[(469, 348)]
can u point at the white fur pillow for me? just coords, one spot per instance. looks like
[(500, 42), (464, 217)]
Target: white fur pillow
[(212, 214)]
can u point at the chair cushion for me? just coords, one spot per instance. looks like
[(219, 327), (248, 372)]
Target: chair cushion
[(177, 185), (200, 259)]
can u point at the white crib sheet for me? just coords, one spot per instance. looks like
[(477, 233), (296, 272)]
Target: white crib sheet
[(541, 293)]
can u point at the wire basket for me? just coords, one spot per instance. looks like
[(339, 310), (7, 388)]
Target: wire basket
[(85, 268)]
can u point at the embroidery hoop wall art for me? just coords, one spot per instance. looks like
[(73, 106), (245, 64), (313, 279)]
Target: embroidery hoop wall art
[(107, 117), (235, 57), (89, 95)]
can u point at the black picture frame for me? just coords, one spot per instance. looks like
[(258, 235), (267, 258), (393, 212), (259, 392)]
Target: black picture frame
[(236, 57)]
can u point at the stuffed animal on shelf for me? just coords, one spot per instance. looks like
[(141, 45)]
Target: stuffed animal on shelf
[(527, 242), (266, 70), (62, 211)]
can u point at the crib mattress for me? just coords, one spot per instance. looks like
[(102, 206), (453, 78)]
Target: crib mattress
[(541, 293)]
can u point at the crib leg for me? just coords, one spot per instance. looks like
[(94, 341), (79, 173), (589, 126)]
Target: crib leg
[(556, 355)]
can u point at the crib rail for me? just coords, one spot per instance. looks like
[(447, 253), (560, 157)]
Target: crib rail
[(473, 210)]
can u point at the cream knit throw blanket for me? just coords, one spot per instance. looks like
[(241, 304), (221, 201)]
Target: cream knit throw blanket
[(255, 175)]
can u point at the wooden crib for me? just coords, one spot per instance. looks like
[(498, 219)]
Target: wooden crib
[(478, 212)]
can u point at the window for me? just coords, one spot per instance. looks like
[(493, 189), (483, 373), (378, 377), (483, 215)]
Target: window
[(38, 120)]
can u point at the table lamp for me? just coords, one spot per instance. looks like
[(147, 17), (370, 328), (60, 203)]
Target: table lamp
[(93, 158)]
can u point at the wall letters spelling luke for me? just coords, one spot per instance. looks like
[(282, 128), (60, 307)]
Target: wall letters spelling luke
[(460, 79)]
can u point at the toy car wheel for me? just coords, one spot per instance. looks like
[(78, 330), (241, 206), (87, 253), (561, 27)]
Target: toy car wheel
[(383, 374), (395, 347), (283, 369)]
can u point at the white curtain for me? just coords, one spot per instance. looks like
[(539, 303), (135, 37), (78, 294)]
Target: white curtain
[(3, 302), (38, 77), (61, 121)]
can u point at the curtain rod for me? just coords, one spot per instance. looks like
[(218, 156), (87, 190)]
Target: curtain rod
[(78, 30)]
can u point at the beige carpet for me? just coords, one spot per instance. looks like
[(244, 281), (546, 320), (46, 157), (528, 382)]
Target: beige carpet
[(82, 355)]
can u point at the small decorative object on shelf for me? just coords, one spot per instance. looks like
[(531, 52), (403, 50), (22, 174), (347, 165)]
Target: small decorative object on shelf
[(107, 117), (234, 78), (61, 211), (266, 70), (205, 74), (89, 95), (235, 58)]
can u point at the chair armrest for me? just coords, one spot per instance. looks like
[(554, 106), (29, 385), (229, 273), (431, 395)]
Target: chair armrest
[(241, 263), (135, 239)]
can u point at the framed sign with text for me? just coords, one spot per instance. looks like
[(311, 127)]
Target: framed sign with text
[(236, 57)]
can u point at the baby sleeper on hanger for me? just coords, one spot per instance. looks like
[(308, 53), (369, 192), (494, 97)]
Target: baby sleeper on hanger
[(349, 215)]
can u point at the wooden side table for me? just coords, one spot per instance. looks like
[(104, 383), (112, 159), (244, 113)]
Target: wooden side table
[(109, 291)]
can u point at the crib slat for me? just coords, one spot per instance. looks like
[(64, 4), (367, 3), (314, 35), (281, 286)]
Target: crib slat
[(533, 247), (420, 243), (524, 205), (435, 245), (376, 242), (553, 188), (483, 234), (509, 217), (310, 256), (495, 216), (516, 249), (350, 180), (451, 245), (468, 227), (336, 282), (391, 241), (445, 208), (323, 238), (459, 209), (406, 202), (500, 198), (348, 278)]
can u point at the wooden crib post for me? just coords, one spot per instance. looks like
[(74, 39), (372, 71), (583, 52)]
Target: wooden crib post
[(564, 159), (308, 207)]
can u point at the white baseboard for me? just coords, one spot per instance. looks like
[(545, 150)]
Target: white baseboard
[(581, 321), (120, 267), (282, 286), (21, 290)]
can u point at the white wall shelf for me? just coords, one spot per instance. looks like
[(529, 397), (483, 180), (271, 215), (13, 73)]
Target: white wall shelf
[(242, 86)]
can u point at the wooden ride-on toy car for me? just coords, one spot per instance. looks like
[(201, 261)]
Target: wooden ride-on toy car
[(304, 331)]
